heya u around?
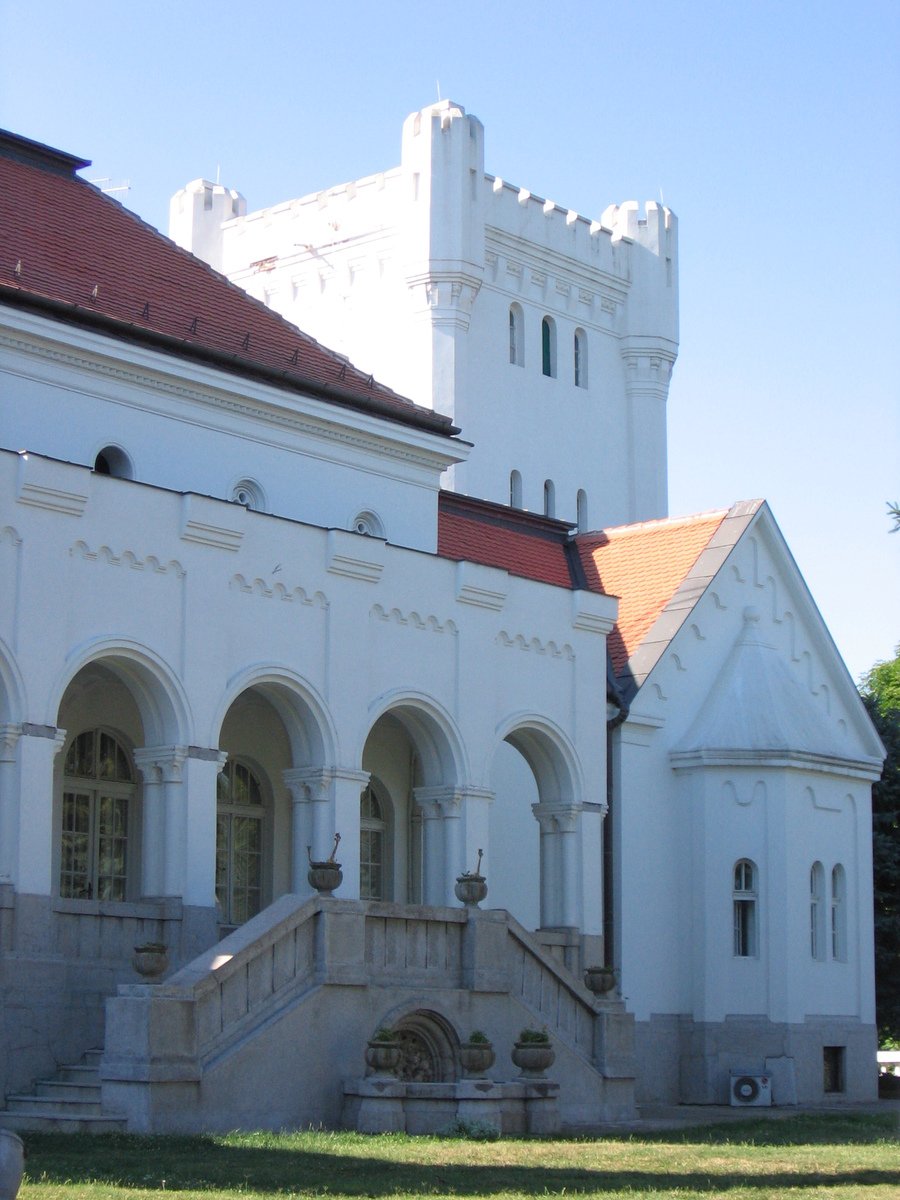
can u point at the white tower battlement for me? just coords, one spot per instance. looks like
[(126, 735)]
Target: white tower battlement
[(547, 336)]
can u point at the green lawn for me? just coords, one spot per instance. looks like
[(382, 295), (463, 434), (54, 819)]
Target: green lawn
[(800, 1157)]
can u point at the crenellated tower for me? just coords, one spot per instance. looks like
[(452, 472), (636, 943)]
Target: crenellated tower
[(548, 337)]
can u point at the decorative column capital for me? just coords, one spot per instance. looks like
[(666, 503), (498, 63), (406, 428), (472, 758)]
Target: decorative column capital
[(161, 764), (311, 785), (9, 737)]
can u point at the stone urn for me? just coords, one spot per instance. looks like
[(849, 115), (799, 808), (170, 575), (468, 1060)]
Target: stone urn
[(599, 980), (12, 1164), (471, 886), (383, 1053), (533, 1058), (325, 875), (150, 959), (476, 1058)]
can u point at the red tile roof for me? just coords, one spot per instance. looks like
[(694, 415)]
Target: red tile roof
[(522, 543), (643, 565), (79, 256)]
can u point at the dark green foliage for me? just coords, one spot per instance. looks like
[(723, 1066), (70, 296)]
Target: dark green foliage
[(881, 695)]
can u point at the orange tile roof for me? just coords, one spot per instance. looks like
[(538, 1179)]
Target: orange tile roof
[(522, 543), (76, 255), (643, 565)]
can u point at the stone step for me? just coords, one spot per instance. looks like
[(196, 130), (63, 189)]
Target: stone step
[(65, 1089), (70, 1102), (78, 1073), (61, 1123), (53, 1106)]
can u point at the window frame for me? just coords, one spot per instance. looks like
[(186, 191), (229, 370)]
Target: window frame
[(548, 347), (97, 788), (229, 810), (745, 909)]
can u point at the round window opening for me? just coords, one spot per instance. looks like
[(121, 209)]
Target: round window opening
[(248, 493), (368, 525), (112, 460)]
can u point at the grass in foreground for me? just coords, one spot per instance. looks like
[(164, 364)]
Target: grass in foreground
[(841, 1158)]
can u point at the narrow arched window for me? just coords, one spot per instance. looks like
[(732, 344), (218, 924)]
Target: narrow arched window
[(581, 508), (580, 355), (816, 911), (839, 913), (548, 347), (516, 336), (515, 489), (239, 843), (97, 811), (744, 900), (549, 498), (374, 846)]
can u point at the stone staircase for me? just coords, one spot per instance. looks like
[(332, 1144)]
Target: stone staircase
[(67, 1103)]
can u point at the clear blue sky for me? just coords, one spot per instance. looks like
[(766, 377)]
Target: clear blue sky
[(772, 129)]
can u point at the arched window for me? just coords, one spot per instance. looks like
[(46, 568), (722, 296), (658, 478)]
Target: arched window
[(549, 498), (816, 911), (548, 347), (581, 361), (516, 336), (374, 845), (515, 489), (745, 904), (581, 506), (112, 460), (97, 810), (839, 913), (239, 843)]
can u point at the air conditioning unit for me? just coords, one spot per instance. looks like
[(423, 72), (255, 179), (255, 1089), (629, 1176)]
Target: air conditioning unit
[(750, 1090)]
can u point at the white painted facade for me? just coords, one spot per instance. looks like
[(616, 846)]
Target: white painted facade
[(216, 604), (436, 256)]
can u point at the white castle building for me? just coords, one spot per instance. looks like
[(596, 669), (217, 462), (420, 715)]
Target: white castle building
[(241, 613)]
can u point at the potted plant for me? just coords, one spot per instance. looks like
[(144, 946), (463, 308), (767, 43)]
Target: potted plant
[(383, 1051), (150, 959), (471, 886), (325, 874), (533, 1053), (476, 1056), (600, 980)]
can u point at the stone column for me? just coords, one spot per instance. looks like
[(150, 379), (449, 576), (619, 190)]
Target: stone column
[(9, 802), (200, 787), (164, 764), (301, 828), (476, 828), (432, 845), (38, 748), (549, 866), (454, 854), (568, 824), (154, 822), (348, 786)]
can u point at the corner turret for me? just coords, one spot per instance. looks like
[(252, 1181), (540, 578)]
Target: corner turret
[(196, 215)]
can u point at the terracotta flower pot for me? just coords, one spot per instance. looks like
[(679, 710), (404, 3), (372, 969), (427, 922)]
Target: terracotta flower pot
[(476, 1058), (533, 1058), (325, 877)]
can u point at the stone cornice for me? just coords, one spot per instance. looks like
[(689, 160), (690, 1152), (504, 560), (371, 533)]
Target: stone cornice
[(796, 760), (106, 359)]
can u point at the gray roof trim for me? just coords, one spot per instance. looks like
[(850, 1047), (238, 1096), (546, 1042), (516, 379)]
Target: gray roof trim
[(709, 562)]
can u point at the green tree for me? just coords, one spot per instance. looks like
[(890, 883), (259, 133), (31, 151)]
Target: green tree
[(894, 514), (881, 695)]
